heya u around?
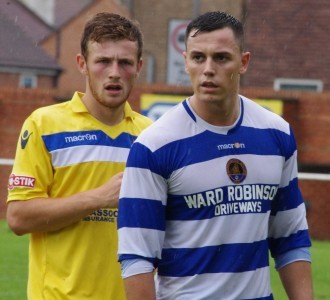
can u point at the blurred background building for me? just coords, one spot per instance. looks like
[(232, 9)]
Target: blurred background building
[(288, 39)]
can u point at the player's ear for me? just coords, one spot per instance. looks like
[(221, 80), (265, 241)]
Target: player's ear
[(184, 53), (244, 62), (81, 63), (139, 67)]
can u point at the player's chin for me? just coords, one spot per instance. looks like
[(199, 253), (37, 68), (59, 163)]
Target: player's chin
[(116, 102), (210, 97), (112, 101)]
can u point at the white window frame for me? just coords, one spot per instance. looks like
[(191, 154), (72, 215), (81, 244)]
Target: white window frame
[(29, 76), (318, 84)]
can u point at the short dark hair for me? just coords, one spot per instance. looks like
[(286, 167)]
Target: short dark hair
[(214, 20), (110, 26)]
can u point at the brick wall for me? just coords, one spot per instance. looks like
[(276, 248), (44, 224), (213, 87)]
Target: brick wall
[(307, 112), (15, 106), (12, 80), (287, 39), (9, 79), (316, 195)]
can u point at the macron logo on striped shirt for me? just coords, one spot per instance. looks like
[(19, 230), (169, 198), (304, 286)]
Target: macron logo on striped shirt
[(236, 145)]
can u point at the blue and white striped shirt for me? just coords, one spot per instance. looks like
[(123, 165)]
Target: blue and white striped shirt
[(204, 203)]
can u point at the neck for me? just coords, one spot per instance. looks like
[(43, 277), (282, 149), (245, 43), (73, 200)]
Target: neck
[(105, 114), (217, 113)]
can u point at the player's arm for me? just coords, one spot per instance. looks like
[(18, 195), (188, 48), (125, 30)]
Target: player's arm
[(297, 280), (288, 230), (140, 286), (50, 214)]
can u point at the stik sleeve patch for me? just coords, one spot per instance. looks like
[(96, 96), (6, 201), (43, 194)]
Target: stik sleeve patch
[(20, 181)]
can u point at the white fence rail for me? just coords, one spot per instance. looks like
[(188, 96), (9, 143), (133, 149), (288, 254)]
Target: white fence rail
[(301, 175)]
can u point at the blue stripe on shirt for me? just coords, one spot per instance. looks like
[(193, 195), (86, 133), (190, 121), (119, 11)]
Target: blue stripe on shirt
[(291, 192), (64, 140), (284, 244), (214, 259), (150, 214), (187, 151)]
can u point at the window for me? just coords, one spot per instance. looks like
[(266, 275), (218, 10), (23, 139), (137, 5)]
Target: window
[(28, 81), (288, 84)]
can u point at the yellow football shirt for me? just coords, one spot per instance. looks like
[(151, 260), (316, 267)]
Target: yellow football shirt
[(64, 150)]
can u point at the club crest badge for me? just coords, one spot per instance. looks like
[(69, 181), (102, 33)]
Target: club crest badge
[(236, 170)]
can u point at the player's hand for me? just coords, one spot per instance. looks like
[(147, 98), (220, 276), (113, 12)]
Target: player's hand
[(109, 192)]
